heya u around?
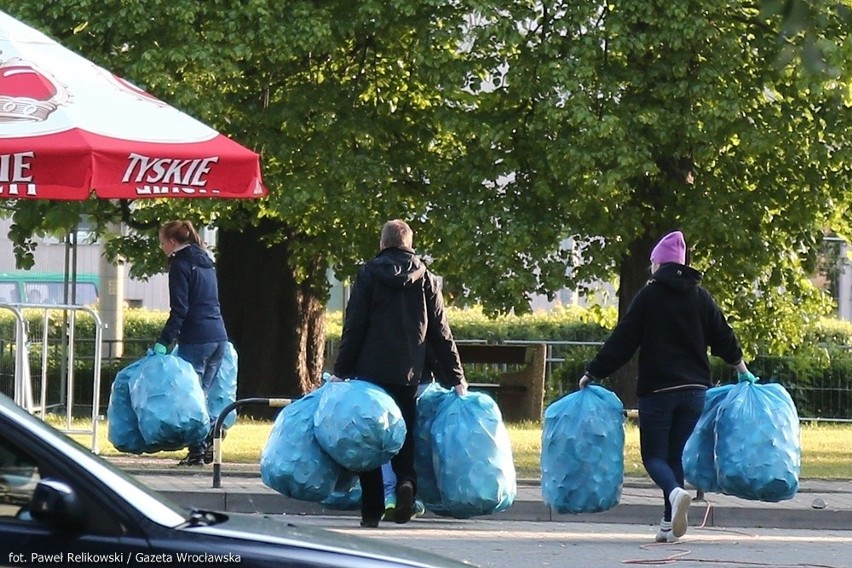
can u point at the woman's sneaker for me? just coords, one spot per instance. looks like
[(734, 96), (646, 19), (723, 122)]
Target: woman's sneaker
[(665, 536), (680, 500), (193, 458)]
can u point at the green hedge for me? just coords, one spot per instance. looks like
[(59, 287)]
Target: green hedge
[(818, 375), (140, 326), (823, 365), (141, 329), (562, 324)]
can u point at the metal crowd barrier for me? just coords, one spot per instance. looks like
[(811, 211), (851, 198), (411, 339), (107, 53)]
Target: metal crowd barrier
[(23, 391)]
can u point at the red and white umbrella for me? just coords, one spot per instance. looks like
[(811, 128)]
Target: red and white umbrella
[(69, 127)]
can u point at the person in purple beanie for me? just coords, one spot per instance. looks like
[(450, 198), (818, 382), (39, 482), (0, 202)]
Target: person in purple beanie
[(672, 321)]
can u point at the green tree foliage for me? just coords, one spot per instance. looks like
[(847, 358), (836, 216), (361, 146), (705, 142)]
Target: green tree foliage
[(500, 128), (339, 97), (624, 121), (614, 123)]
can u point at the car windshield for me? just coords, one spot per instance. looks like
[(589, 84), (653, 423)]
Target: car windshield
[(153, 505)]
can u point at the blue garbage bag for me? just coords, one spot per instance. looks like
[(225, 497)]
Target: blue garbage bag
[(699, 454), (358, 424), (427, 483), (169, 403), (582, 452), (758, 448), (292, 461), (472, 456), (223, 389), (123, 425), (346, 495)]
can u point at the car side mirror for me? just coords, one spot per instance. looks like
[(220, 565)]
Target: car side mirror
[(54, 503)]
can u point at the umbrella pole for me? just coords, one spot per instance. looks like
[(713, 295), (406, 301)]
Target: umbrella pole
[(70, 246)]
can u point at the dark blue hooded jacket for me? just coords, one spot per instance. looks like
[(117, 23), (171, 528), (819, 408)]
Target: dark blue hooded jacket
[(194, 316)]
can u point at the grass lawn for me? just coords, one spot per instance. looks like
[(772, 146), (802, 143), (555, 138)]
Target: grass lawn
[(826, 448)]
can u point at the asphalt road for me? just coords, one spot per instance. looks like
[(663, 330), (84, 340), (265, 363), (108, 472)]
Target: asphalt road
[(526, 544)]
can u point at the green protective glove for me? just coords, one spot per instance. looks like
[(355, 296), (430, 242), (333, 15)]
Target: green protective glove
[(746, 377), (160, 349)]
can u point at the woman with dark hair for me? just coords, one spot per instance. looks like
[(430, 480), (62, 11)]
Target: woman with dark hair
[(195, 320)]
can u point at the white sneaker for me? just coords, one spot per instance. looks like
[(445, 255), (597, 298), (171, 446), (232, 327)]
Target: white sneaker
[(664, 533), (680, 500), (665, 536)]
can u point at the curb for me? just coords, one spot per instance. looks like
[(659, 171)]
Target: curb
[(819, 504), (703, 514)]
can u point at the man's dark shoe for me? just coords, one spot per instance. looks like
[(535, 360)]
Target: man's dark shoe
[(404, 502), (370, 523)]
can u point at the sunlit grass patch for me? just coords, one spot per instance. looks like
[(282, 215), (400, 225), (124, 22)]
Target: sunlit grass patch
[(826, 447)]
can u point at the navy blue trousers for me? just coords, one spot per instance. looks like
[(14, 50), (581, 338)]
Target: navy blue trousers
[(666, 419)]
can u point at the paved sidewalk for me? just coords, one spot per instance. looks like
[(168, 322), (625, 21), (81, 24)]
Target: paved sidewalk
[(820, 505)]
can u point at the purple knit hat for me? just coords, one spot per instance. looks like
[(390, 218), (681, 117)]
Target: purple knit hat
[(671, 248)]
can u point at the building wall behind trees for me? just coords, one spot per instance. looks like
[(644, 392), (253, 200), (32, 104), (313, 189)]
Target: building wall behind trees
[(50, 257)]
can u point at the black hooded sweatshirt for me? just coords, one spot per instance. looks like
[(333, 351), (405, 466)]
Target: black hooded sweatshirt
[(671, 321), (395, 308)]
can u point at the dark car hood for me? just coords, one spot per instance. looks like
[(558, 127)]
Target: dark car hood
[(279, 529)]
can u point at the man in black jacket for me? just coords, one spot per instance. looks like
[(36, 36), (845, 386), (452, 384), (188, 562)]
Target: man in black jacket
[(395, 309)]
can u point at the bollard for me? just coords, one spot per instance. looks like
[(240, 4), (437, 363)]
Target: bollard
[(217, 429)]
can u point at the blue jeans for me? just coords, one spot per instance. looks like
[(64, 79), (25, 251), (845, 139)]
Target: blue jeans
[(666, 419), (205, 358)]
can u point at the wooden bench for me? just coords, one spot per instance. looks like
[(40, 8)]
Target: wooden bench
[(519, 393)]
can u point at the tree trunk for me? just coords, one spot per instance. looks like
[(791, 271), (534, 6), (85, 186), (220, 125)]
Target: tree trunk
[(276, 325), (633, 274)]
